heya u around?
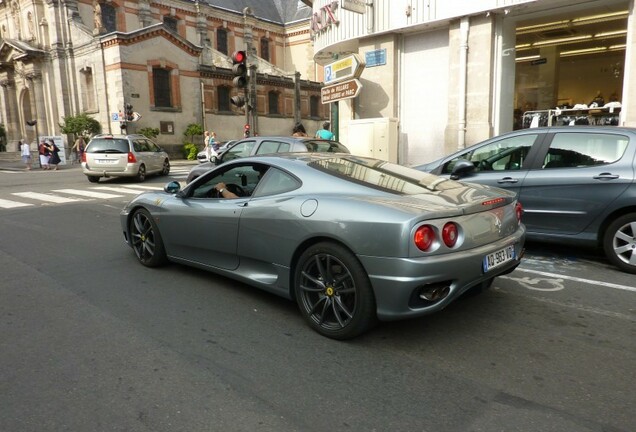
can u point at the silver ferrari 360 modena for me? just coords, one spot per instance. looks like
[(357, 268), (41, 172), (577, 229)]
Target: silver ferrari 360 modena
[(352, 240)]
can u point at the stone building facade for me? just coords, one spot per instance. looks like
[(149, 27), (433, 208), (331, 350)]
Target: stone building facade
[(169, 59)]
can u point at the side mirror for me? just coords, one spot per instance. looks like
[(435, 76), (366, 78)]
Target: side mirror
[(172, 188), (462, 168), (217, 160)]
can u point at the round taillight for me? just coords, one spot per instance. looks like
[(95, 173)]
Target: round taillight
[(424, 237), (519, 211), (450, 234)]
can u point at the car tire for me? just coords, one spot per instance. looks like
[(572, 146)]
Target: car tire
[(333, 292), (166, 168), (93, 179), (146, 240), (619, 242), (141, 174)]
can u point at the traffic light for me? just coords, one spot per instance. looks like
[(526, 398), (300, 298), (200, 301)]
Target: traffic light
[(239, 101), (129, 112), (246, 131), (239, 69)]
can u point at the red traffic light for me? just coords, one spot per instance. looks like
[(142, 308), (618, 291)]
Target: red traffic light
[(239, 57), (247, 126)]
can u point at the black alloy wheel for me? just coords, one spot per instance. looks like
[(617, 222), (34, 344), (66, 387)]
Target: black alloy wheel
[(333, 292), (620, 242), (146, 240), (93, 179), (141, 174), (166, 167)]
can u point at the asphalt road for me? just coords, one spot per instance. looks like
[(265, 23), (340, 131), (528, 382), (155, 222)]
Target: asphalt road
[(90, 340)]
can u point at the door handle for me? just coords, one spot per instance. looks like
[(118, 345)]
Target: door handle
[(508, 180), (606, 176)]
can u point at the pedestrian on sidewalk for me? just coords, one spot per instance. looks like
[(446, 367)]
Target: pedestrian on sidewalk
[(54, 160), (25, 151), (325, 133), (78, 148), (45, 154)]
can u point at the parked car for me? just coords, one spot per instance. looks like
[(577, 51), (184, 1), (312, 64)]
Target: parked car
[(202, 156), (267, 145), (123, 156), (350, 239), (576, 183)]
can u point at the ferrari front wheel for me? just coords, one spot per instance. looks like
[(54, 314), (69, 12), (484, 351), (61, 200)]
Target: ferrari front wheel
[(145, 239), (333, 292)]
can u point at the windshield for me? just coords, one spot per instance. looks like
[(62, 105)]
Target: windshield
[(104, 145), (322, 146)]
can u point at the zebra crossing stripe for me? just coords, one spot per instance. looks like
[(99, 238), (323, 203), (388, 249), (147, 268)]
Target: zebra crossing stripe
[(45, 197), (146, 187), (89, 194), (121, 189), (12, 204)]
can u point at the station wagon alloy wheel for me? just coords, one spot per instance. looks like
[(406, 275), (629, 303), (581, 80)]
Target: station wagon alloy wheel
[(146, 240), (333, 292)]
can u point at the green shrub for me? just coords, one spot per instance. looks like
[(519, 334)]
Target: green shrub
[(149, 132), (190, 151)]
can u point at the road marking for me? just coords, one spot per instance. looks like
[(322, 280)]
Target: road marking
[(45, 197), (12, 204), (578, 279), (86, 193), (538, 284), (121, 189), (146, 187)]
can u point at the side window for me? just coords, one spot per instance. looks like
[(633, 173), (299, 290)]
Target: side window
[(241, 179), (152, 146), (570, 150), (503, 155), (240, 150), (275, 182), (269, 147), (283, 148), (138, 145)]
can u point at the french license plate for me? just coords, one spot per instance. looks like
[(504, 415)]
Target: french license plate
[(107, 161), (498, 258)]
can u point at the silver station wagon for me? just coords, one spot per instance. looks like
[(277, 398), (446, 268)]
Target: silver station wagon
[(576, 183), (123, 156)]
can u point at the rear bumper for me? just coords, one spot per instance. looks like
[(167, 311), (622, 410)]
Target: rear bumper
[(131, 170), (397, 281)]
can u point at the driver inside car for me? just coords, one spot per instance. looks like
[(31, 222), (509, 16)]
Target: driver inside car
[(223, 192)]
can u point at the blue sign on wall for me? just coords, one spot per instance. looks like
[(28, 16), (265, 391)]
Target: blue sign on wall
[(375, 57)]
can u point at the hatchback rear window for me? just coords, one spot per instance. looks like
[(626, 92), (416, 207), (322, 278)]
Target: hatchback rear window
[(104, 145)]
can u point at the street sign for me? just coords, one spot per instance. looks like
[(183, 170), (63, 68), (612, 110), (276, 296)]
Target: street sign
[(344, 90), (343, 69), (136, 116)]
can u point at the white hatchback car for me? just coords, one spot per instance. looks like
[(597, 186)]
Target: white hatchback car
[(123, 156)]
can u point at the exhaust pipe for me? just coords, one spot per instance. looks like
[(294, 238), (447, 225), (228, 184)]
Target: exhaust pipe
[(434, 293)]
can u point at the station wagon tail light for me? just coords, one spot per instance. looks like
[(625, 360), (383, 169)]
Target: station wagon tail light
[(131, 158), (83, 156), (424, 237), (450, 234), (519, 211)]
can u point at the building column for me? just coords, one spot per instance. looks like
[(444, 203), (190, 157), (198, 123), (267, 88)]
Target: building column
[(12, 118), (38, 104)]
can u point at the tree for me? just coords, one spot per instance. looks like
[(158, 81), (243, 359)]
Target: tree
[(81, 124), (193, 129), (149, 132)]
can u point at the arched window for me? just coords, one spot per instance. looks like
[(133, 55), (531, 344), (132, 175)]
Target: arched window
[(314, 106), (109, 17), (223, 98), (221, 40), (272, 99), (170, 23), (161, 86), (265, 49), (88, 89)]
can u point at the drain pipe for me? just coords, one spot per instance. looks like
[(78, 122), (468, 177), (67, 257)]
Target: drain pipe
[(463, 74), (370, 17)]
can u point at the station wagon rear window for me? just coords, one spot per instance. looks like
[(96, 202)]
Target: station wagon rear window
[(103, 145)]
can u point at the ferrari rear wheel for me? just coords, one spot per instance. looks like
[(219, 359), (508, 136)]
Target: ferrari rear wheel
[(146, 240), (333, 292)]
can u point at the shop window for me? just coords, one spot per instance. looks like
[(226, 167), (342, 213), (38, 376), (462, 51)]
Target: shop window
[(170, 23), (265, 49), (272, 99), (162, 88), (221, 40), (223, 98), (109, 17)]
